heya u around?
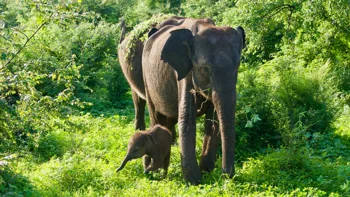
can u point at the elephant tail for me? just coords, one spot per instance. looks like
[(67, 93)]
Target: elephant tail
[(123, 31)]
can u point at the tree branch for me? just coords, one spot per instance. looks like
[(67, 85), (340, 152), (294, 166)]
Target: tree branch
[(28, 39), (21, 33), (2, 36), (278, 9)]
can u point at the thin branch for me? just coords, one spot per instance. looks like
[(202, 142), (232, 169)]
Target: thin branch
[(3, 37), (278, 9), (21, 33), (28, 39), (326, 16)]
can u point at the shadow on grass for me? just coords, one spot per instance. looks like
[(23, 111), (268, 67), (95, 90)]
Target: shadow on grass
[(15, 184), (124, 107)]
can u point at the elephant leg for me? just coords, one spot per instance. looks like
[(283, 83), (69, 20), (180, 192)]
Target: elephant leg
[(151, 110), (170, 124), (153, 122), (156, 163), (211, 140), (173, 132), (187, 132), (139, 105), (157, 118), (146, 162), (166, 164)]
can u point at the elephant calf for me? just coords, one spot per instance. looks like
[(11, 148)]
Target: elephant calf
[(154, 144)]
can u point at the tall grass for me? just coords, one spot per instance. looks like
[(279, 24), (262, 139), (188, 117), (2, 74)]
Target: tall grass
[(82, 162)]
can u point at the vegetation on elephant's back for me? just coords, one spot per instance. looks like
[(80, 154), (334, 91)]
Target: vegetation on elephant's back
[(139, 32), (66, 113)]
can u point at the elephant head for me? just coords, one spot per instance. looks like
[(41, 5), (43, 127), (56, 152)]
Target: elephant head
[(136, 148), (212, 57)]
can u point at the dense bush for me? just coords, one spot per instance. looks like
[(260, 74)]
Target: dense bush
[(68, 61), (298, 171)]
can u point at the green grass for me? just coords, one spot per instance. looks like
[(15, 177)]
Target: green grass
[(82, 162)]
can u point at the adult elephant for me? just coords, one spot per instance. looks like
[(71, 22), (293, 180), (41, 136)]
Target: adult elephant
[(189, 68), (132, 65)]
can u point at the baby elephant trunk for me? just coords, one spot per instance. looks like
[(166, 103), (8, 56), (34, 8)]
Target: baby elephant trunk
[(126, 159)]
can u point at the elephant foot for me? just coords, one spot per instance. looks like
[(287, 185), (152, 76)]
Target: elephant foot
[(146, 171), (228, 173), (140, 126), (193, 176), (206, 164), (151, 167), (165, 173), (146, 163)]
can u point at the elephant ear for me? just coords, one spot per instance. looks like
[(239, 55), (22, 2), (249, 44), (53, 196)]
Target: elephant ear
[(157, 134), (176, 51), (241, 32), (152, 138)]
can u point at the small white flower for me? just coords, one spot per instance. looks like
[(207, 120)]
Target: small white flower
[(3, 163), (2, 24)]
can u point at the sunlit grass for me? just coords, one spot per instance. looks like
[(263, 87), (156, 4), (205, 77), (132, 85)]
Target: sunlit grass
[(87, 159)]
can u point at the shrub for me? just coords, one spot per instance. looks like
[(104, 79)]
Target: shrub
[(298, 171), (15, 184)]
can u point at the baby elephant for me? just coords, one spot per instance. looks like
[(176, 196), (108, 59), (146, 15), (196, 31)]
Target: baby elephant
[(154, 144)]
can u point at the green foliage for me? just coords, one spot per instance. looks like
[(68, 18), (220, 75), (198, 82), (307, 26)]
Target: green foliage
[(87, 168), (298, 170), (52, 64), (13, 184), (139, 33), (50, 145), (296, 89), (108, 10), (342, 124), (213, 9)]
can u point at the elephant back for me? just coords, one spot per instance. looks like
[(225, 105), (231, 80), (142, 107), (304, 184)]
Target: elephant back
[(195, 25)]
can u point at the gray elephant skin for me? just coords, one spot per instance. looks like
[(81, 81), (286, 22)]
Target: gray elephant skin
[(154, 145), (189, 68)]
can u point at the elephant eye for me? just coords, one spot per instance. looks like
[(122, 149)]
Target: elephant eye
[(206, 70)]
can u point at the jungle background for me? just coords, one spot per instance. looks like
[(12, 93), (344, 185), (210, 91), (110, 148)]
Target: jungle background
[(66, 112)]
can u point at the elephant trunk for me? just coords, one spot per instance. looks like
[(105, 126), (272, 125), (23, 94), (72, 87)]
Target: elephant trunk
[(126, 159), (224, 99)]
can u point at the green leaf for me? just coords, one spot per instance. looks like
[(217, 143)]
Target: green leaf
[(3, 56), (247, 109), (255, 118), (249, 124)]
